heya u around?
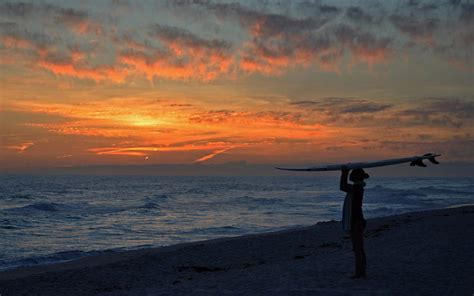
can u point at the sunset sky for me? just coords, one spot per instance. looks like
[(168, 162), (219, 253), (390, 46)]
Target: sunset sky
[(182, 82)]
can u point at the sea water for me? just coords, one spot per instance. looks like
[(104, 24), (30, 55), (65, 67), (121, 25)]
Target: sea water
[(47, 219)]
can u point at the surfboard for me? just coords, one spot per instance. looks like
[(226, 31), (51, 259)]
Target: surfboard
[(414, 161)]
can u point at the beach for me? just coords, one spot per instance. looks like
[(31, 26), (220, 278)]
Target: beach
[(418, 253)]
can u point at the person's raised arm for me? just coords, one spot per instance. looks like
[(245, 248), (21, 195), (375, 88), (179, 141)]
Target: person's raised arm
[(343, 183)]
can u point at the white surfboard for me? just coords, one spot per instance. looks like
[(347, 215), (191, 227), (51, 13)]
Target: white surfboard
[(414, 161)]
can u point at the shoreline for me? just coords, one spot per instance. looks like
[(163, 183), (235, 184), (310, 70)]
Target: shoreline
[(138, 249), (321, 255)]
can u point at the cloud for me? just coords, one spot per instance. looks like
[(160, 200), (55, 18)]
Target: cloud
[(77, 20), (442, 112), (184, 39), (262, 119), (212, 155), (452, 148), (467, 13), (278, 41), (149, 150), (215, 116), (334, 105), (227, 40), (427, 113), (364, 46), (358, 15), (20, 148), (42, 51), (179, 55), (112, 118), (17, 9), (112, 128), (14, 37), (74, 66), (420, 30)]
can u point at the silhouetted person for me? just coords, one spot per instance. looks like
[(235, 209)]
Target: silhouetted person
[(352, 218)]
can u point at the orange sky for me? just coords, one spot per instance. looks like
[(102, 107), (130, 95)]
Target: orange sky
[(139, 83)]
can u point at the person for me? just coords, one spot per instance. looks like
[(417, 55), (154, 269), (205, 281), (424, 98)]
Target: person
[(353, 219)]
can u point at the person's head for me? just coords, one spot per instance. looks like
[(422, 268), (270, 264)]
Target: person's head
[(358, 175)]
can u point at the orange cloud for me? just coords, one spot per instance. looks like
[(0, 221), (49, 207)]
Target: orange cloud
[(20, 148), (170, 128), (185, 56), (110, 118), (144, 151), (212, 155), (267, 40), (15, 42), (74, 69)]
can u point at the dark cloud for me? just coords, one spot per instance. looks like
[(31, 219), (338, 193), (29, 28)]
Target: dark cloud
[(358, 15), (428, 7), (16, 9), (70, 16), (269, 24), (414, 26), (328, 9), (24, 10), (449, 113), (213, 116), (366, 108), (13, 36), (284, 116), (363, 44), (170, 34), (249, 118), (467, 14), (443, 112), (279, 41), (272, 37), (341, 106), (77, 20), (316, 8), (453, 147), (176, 53), (8, 26)]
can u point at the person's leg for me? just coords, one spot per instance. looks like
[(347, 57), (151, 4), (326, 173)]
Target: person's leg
[(357, 235)]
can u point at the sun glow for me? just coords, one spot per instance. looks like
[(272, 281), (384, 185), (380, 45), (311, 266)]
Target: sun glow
[(139, 120)]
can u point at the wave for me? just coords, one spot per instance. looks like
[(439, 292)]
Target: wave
[(214, 230), (159, 197), (156, 198), (385, 211), (20, 196), (48, 259), (256, 200), (40, 206), (399, 192), (439, 190), (9, 227), (426, 190), (61, 208), (149, 205)]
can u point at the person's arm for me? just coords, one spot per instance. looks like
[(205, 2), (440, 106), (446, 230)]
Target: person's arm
[(343, 186), (357, 196)]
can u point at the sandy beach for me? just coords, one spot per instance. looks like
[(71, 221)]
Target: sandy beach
[(420, 253)]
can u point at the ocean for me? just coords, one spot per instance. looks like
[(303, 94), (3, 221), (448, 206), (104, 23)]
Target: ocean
[(48, 219)]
